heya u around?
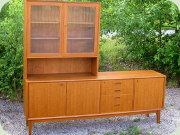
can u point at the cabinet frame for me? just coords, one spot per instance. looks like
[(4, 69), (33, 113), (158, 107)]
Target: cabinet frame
[(29, 54), (63, 30), (96, 29)]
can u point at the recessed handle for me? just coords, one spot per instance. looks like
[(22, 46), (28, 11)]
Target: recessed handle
[(117, 105), (117, 90), (117, 97)]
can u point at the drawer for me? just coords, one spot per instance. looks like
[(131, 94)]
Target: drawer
[(116, 103), (117, 87)]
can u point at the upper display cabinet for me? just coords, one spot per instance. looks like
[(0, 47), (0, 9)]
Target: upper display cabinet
[(62, 29)]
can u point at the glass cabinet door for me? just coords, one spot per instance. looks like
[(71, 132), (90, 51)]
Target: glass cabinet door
[(80, 29), (44, 29)]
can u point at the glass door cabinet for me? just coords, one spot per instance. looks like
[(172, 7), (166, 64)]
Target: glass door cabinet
[(63, 30)]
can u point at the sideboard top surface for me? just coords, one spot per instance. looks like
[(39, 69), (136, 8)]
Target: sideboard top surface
[(87, 76)]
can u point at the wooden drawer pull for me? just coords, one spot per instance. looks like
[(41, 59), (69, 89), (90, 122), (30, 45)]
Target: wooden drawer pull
[(117, 90), (117, 105), (117, 97)]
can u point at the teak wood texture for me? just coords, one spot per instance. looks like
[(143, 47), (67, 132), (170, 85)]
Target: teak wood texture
[(83, 97), (61, 61), (47, 99)]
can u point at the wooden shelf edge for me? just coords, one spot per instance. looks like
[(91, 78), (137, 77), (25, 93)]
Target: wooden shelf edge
[(117, 75), (45, 22), (45, 38), (79, 38), (59, 57), (81, 23)]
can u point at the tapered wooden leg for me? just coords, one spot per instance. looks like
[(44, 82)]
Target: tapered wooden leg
[(147, 115), (158, 115), (30, 124), (27, 123)]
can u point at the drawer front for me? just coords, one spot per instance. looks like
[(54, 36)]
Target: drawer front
[(116, 87), (116, 103)]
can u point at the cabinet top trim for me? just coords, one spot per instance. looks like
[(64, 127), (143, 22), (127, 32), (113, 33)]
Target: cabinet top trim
[(101, 76), (68, 2)]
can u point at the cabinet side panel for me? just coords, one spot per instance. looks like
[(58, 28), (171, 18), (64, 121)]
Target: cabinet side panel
[(149, 93), (25, 97)]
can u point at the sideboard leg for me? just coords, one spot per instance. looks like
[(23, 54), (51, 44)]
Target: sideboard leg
[(30, 124), (158, 115), (147, 115), (27, 123)]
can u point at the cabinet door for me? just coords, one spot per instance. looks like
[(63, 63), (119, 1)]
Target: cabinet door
[(149, 93), (82, 27), (47, 99), (83, 97), (44, 30)]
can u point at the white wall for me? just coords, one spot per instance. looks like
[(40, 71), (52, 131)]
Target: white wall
[(177, 2), (2, 2)]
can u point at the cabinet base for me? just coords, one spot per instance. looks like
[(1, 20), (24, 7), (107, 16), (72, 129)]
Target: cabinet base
[(30, 121)]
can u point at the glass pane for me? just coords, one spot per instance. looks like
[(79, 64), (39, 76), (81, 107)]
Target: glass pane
[(81, 14), (80, 29), (45, 29), (45, 14), (80, 45), (45, 45)]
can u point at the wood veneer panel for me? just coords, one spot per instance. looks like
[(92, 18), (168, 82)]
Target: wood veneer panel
[(149, 93), (63, 65), (116, 103), (83, 97), (117, 87), (47, 99)]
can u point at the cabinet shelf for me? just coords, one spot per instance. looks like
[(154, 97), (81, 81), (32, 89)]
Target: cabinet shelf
[(44, 37), (80, 38), (80, 23), (59, 77), (47, 22)]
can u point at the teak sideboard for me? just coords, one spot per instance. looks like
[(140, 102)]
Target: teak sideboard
[(61, 78)]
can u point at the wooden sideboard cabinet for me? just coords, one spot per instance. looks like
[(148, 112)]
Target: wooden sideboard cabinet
[(61, 61), (70, 97)]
